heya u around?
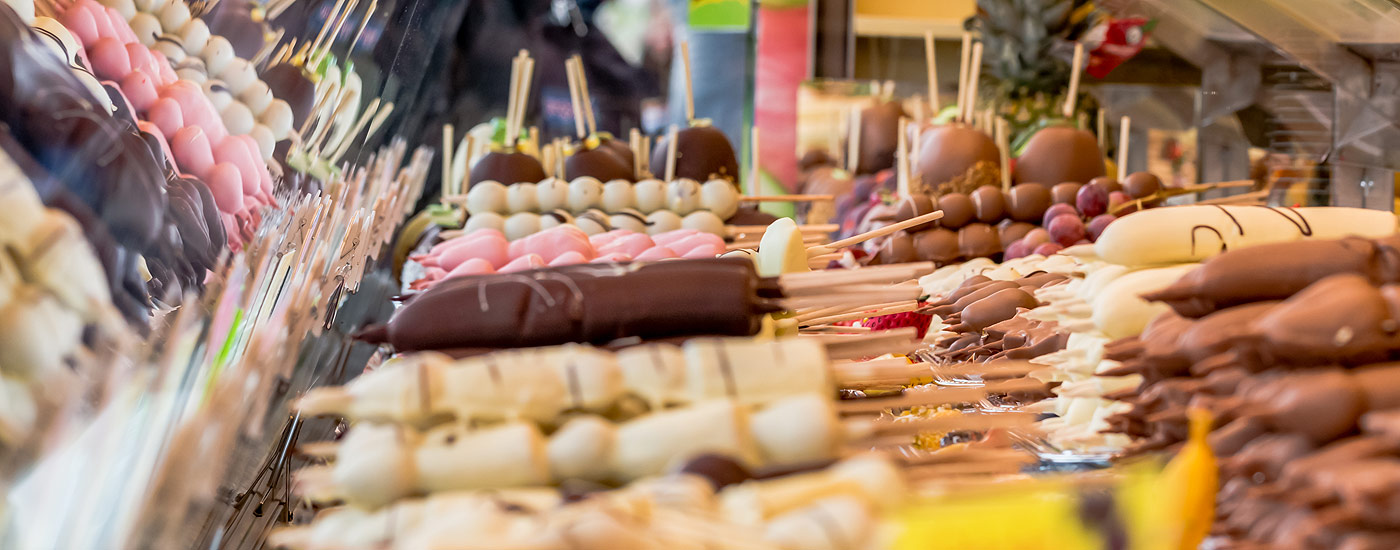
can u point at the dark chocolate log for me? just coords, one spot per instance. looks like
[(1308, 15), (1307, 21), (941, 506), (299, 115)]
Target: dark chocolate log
[(702, 153), (1277, 271), (595, 304), (506, 168), (1058, 154)]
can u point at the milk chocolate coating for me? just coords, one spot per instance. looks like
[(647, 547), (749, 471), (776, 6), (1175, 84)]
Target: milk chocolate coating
[(1011, 231), (814, 159), (993, 309), (591, 303), (988, 203), (1027, 202), (1277, 271), (879, 136), (600, 163), (977, 292), (287, 83), (1108, 184), (898, 249), (958, 210), (1341, 319), (1065, 193), (702, 152), (937, 245), (1057, 154), (720, 470), (507, 168), (1141, 184), (947, 152), (978, 240), (620, 149), (914, 206)]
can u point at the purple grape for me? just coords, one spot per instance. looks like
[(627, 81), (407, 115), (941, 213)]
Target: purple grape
[(1067, 229), (1119, 198), (1057, 210), (1046, 249), (1098, 224), (1091, 200), (1015, 250)]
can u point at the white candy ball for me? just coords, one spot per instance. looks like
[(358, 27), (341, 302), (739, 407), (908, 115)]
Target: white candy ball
[(485, 220), (617, 195), (218, 94), (278, 118), (629, 219), (237, 118), (649, 195), (216, 54), (661, 221), (552, 193), (169, 46), (703, 220), (593, 222), (257, 97), (173, 16), (584, 193), (486, 196), (555, 218), (193, 75), (151, 6), (266, 143), (719, 196), (146, 27), (238, 74), (195, 36), (683, 196), (125, 7), (521, 225), (522, 197)]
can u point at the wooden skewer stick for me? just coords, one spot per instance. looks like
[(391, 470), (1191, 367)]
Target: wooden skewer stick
[(514, 93), (583, 95), (966, 53), (355, 131), (369, 14), (753, 159), (886, 230), (689, 91), (571, 73), (932, 66), (938, 395), (634, 142), (447, 141), (325, 28), (671, 153), (734, 230), (526, 82), (905, 307), (788, 198), (853, 141), (1004, 148), (330, 40), (882, 274), (901, 160), (1074, 70), (1125, 128), (1102, 129), (974, 74)]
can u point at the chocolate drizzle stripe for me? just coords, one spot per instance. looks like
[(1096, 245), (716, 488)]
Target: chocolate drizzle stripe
[(657, 362), (1301, 223), (1223, 247), (575, 392), (494, 371), (726, 371), (1227, 214)]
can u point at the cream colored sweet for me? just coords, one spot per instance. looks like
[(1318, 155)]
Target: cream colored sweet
[(755, 371), (780, 250), (648, 445)]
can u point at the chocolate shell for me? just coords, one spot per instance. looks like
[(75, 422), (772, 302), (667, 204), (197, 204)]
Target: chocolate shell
[(948, 152), (1059, 154), (506, 168), (914, 206), (234, 21), (937, 245), (1027, 202), (979, 240), (1141, 184), (958, 210), (600, 162), (1011, 231), (287, 83), (1108, 184), (988, 203), (879, 136), (1065, 193), (702, 153), (897, 249)]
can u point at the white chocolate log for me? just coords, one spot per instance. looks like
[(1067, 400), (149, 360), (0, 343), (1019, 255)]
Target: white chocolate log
[(456, 458), (1181, 234), (501, 387), (374, 466), (835, 523), (58, 258), (655, 373), (798, 430), (755, 371), (402, 390), (870, 477), (36, 333), (582, 449), (1118, 310), (649, 444)]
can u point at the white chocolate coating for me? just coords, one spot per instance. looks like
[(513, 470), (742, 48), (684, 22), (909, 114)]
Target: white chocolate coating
[(617, 195), (661, 221), (649, 444), (715, 367), (278, 118), (238, 75), (237, 118), (173, 16), (780, 250), (216, 54), (459, 458), (195, 36), (629, 219), (649, 195), (582, 449), (654, 372), (584, 193), (521, 224), (720, 197), (522, 197), (486, 196), (485, 220), (146, 27), (799, 429), (552, 193), (703, 220), (266, 142), (683, 196)]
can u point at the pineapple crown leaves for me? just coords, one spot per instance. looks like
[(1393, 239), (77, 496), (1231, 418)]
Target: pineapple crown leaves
[(1024, 42)]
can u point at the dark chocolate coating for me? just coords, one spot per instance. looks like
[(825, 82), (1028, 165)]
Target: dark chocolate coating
[(937, 245), (979, 240), (234, 21), (988, 203), (721, 471), (958, 210), (506, 169), (1027, 202), (288, 84), (949, 151), (1065, 193), (750, 215), (1058, 154), (1141, 184), (600, 163), (591, 303), (879, 136), (702, 152), (913, 206), (620, 149)]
